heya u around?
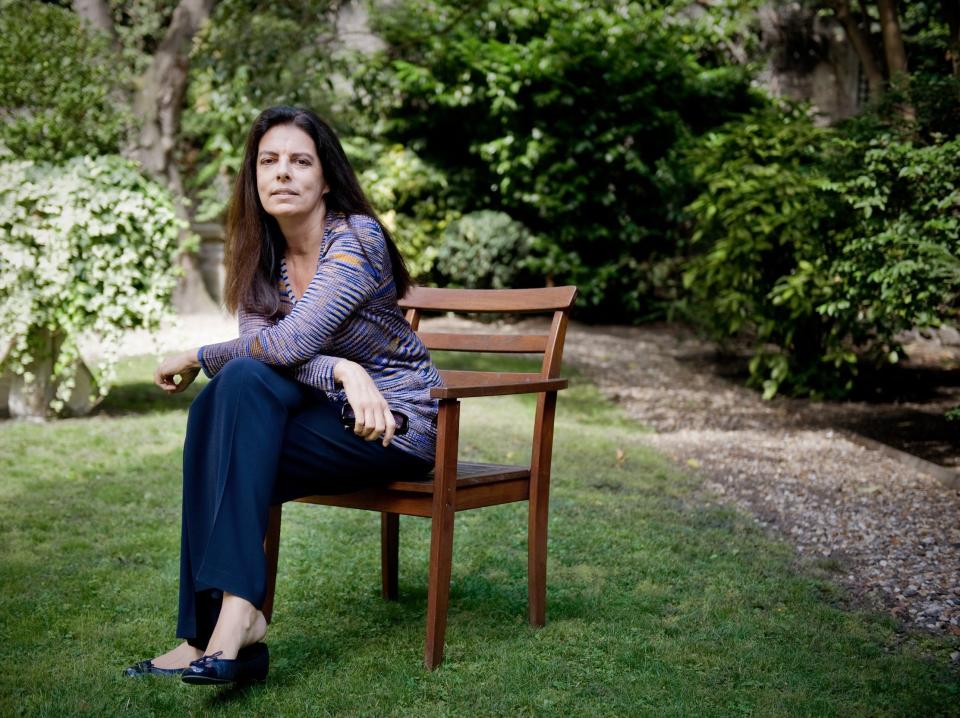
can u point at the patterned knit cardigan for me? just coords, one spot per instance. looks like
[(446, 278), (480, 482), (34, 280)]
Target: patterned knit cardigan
[(349, 311)]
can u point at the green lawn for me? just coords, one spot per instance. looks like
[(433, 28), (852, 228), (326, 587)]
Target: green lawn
[(657, 603)]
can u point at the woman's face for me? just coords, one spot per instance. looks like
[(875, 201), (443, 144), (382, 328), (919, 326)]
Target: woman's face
[(289, 176)]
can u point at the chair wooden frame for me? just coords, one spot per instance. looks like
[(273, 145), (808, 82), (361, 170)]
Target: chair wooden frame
[(456, 486)]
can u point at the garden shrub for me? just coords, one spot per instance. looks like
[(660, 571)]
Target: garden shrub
[(820, 245), (897, 268), (556, 113), (88, 247), (59, 85), (410, 196), (484, 250), (761, 216)]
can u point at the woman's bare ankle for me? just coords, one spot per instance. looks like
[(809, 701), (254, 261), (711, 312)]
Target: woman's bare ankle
[(240, 624), (178, 657)]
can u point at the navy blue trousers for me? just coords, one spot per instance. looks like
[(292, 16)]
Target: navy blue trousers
[(256, 437)]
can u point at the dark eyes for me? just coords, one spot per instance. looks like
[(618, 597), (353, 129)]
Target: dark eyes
[(302, 161)]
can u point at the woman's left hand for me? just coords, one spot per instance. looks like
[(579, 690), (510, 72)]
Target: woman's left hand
[(373, 417), (184, 365)]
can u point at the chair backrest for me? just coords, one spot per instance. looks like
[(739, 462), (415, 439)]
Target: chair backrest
[(507, 301)]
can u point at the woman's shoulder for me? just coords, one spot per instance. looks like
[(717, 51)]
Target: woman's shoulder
[(366, 226), (362, 227), (341, 220), (359, 235)]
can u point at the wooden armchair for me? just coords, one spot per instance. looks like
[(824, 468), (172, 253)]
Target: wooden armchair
[(456, 486)]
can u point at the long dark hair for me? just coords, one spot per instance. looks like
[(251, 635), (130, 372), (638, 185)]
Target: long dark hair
[(254, 243)]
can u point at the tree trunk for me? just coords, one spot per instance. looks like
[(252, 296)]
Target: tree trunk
[(159, 99), (895, 53), (951, 14), (30, 393), (158, 103), (892, 39), (861, 45)]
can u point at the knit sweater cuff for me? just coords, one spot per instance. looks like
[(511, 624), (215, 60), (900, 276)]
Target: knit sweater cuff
[(318, 372), (213, 357), (203, 364)]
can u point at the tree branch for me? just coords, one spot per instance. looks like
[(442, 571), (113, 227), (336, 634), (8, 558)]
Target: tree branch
[(896, 55)]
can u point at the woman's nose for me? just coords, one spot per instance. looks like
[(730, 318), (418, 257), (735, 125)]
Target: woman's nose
[(283, 169)]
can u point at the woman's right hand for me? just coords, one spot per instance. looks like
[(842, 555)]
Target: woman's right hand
[(185, 365), (371, 409)]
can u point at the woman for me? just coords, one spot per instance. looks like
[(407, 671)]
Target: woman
[(314, 278)]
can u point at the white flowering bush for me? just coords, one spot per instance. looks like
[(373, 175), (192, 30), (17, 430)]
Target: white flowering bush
[(85, 247)]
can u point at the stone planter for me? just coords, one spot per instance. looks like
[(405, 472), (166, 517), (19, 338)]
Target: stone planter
[(31, 400)]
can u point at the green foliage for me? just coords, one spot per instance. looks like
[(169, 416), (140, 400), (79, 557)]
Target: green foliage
[(140, 26), (87, 247), (484, 250), (408, 194), (249, 58), (821, 245), (556, 113), (761, 223), (936, 101), (60, 85), (898, 267), (926, 36)]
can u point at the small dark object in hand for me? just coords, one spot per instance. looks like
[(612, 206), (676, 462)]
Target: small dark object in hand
[(349, 420)]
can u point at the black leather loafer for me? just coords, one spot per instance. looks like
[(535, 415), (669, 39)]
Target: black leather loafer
[(146, 668), (251, 664)]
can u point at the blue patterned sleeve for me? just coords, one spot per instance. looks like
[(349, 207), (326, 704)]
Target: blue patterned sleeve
[(318, 372), (249, 323), (345, 279)]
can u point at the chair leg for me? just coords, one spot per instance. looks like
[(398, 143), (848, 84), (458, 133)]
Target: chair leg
[(389, 553), (539, 501), (441, 530), (438, 588), (537, 558), (271, 547)]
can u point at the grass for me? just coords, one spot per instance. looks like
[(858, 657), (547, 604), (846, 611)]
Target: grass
[(658, 604)]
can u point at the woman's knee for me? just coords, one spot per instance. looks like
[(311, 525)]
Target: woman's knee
[(250, 378), (236, 377), (242, 369), (244, 374)]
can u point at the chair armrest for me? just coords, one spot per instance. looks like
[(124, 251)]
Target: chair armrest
[(498, 389)]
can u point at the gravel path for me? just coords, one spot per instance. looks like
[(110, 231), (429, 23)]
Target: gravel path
[(886, 530), (890, 532)]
